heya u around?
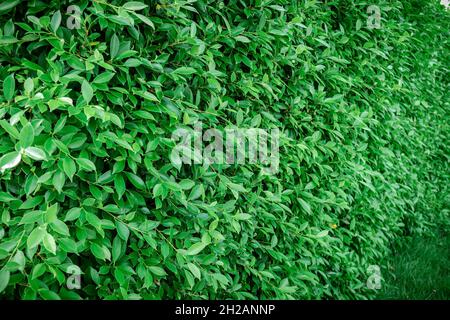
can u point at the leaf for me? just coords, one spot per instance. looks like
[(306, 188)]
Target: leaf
[(157, 271), (104, 77), (9, 161), (242, 216), (32, 217), (119, 184), (185, 71), (100, 252), (51, 214), (55, 21), (134, 5), (86, 164), (305, 205), (36, 154), (242, 39), (87, 91), (195, 249), (122, 230), (38, 270), (9, 85), (26, 136), (73, 214), (114, 46), (146, 20), (136, 181), (186, 184), (10, 129), (69, 167), (4, 279), (195, 270), (8, 5), (59, 179), (6, 197), (322, 234), (60, 227), (36, 237), (116, 249), (93, 220), (49, 243), (196, 192)]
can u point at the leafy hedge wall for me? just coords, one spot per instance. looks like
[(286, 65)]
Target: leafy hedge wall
[(86, 116)]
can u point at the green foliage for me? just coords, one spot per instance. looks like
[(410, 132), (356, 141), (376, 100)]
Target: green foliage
[(86, 116), (419, 269)]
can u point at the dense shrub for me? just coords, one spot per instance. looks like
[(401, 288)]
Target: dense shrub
[(87, 113)]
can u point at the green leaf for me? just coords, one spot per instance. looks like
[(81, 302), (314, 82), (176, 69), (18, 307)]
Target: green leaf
[(119, 184), (195, 249), (59, 179), (114, 46), (56, 21), (146, 20), (51, 214), (104, 77), (38, 270), (8, 5), (116, 249), (36, 237), (32, 217), (157, 271), (242, 39), (196, 192), (87, 91), (9, 161), (134, 5), (6, 197), (242, 216), (49, 243), (73, 214), (69, 167), (305, 205), (136, 181), (26, 137), (4, 279), (122, 230), (36, 154), (9, 86), (86, 164), (100, 252), (185, 71), (12, 131), (195, 270), (93, 220), (322, 234)]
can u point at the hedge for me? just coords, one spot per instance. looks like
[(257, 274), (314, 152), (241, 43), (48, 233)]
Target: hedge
[(87, 188)]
